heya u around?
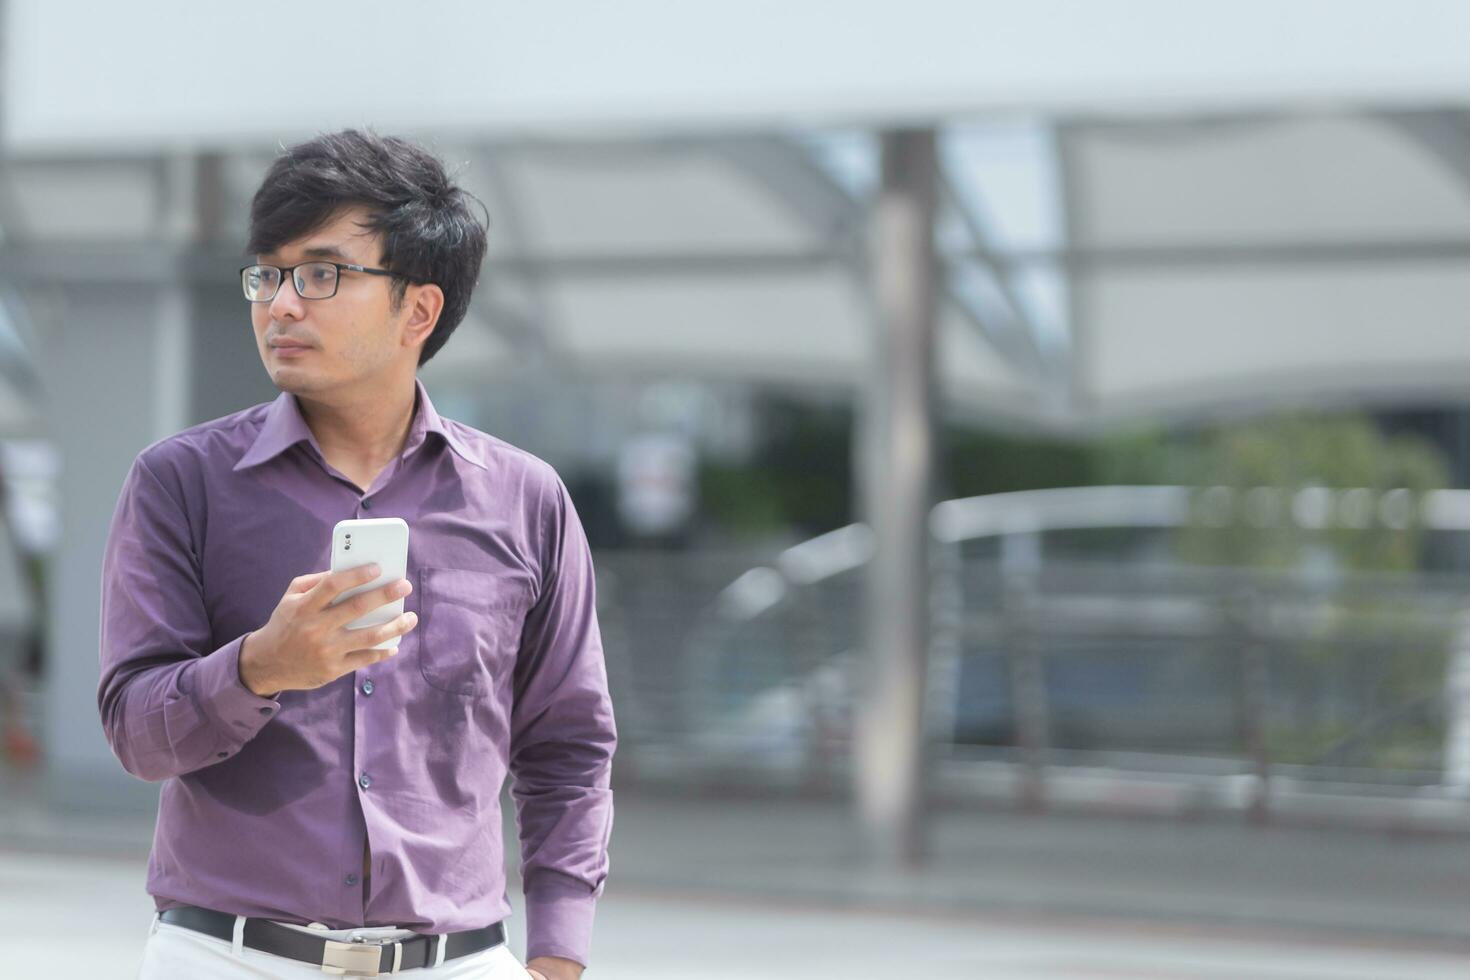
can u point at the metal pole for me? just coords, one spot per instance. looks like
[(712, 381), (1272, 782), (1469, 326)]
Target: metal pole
[(897, 447), (1253, 697), (1021, 572)]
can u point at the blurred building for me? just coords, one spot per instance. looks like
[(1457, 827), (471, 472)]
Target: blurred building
[(1263, 213)]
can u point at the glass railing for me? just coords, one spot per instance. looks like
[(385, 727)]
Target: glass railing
[(1073, 659)]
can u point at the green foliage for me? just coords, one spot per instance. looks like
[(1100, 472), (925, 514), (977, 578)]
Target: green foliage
[(974, 463), (802, 477), (799, 478), (1412, 744), (1255, 529), (740, 499), (1290, 453)]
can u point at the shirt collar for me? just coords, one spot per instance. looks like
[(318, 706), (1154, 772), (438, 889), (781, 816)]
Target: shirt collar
[(285, 426)]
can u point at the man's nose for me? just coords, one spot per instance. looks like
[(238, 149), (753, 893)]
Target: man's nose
[(287, 303)]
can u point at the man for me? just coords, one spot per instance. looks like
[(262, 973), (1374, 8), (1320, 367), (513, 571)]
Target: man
[(327, 805)]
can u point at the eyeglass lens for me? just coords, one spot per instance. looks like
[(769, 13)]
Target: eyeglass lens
[(313, 280)]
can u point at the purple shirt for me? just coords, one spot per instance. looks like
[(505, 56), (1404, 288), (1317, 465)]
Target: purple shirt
[(266, 804)]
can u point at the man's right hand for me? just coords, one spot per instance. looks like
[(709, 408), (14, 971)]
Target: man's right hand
[(306, 643)]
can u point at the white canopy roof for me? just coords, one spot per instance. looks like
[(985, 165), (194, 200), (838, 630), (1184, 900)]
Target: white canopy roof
[(82, 76), (1148, 207), (1139, 267), (1269, 259)]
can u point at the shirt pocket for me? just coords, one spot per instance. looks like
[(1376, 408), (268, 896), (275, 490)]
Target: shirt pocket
[(471, 628)]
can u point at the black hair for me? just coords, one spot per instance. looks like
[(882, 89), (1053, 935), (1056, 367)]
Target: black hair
[(428, 231)]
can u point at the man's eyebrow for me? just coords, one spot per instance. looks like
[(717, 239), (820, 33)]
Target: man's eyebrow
[(311, 252), (326, 252)]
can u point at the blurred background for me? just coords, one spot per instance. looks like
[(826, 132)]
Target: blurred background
[(1025, 447)]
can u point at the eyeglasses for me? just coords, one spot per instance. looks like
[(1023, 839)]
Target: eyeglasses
[(313, 280)]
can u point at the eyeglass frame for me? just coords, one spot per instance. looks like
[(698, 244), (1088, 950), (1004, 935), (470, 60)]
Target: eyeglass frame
[(286, 271)]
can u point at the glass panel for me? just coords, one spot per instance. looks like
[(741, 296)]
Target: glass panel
[(316, 280), (260, 282)]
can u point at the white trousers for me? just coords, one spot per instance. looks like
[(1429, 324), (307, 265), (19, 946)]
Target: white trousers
[(176, 953)]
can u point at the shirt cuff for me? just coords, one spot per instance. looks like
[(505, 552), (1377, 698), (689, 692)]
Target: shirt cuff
[(215, 685), (559, 913)]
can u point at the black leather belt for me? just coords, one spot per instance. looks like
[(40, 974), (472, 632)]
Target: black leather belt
[(365, 959)]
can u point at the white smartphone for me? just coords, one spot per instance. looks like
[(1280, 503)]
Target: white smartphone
[(365, 541)]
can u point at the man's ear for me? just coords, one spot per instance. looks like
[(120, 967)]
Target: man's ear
[(424, 303)]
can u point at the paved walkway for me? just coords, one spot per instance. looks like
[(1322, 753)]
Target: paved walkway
[(1212, 874), (708, 890), (648, 935)]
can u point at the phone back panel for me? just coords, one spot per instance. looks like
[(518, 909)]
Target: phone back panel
[(363, 541)]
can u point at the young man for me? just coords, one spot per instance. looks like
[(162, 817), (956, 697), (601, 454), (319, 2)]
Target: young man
[(326, 805)]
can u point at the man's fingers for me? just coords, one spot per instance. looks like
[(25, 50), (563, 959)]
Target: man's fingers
[(305, 583), (366, 602), (333, 584), (357, 659)]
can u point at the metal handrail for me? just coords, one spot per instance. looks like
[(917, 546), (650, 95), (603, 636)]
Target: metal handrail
[(761, 590)]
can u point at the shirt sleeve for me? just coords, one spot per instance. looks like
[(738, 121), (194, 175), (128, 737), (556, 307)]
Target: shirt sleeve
[(170, 704), (562, 743)]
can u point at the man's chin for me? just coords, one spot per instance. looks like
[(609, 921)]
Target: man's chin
[(292, 379)]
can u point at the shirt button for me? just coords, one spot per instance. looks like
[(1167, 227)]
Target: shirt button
[(364, 780), (223, 754), (351, 879), (367, 687), (367, 504), (265, 711)]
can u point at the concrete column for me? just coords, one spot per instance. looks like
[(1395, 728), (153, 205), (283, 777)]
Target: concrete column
[(133, 351), (114, 368), (226, 373), (897, 447)]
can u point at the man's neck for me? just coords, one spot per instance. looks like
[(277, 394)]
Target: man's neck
[(366, 431)]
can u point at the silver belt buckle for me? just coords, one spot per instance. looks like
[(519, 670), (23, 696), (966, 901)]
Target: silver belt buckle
[(352, 959)]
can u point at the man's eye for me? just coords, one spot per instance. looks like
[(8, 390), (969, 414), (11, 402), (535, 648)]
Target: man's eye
[(323, 273)]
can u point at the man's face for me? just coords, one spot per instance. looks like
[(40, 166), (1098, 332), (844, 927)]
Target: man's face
[(350, 337)]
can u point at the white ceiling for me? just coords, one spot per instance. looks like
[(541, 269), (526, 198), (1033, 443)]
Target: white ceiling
[(1151, 209), (80, 75)]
